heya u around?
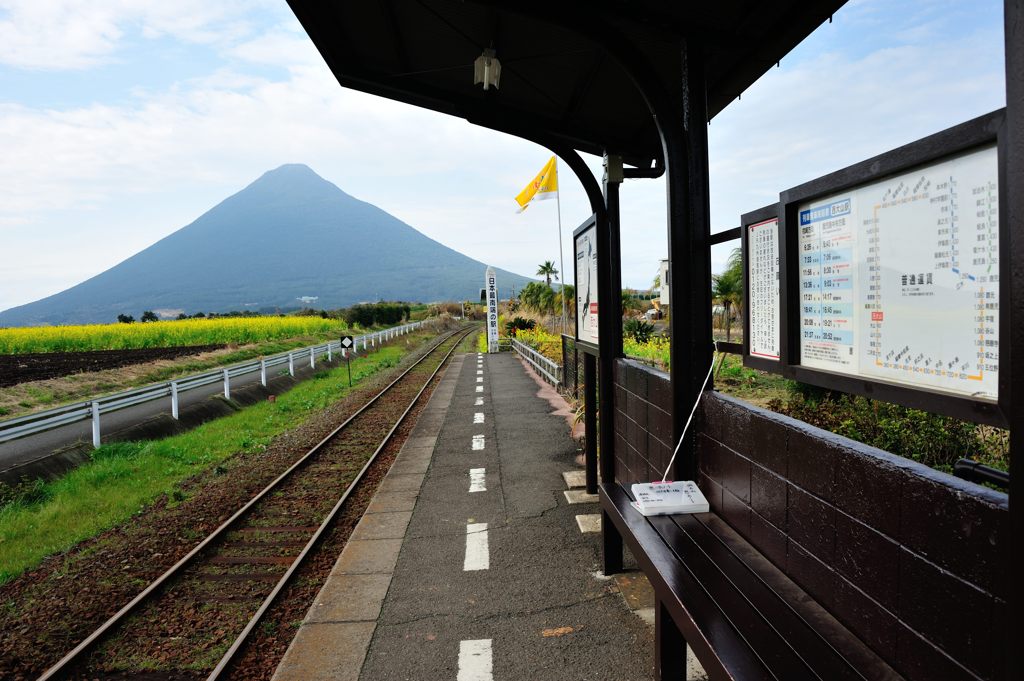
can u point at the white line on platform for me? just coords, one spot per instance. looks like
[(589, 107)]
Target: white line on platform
[(479, 388), (477, 554), (475, 660), (478, 442), (479, 402), (478, 417), (477, 480)]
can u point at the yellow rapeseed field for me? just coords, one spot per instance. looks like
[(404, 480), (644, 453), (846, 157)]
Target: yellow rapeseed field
[(236, 330)]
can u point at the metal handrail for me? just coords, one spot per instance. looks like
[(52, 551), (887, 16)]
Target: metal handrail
[(42, 421), (548, 369)]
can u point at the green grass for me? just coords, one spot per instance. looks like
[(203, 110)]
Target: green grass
[(122, 478), (758, 387)]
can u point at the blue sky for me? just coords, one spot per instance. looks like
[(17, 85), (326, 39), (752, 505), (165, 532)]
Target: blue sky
[(122, 121)]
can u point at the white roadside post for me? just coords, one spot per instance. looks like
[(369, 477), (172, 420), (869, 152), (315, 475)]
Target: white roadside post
[(95, 424), (491, 282), (312, 357), (227, 385), (329, 355), (174, 400), (263, 372), (291, 363)]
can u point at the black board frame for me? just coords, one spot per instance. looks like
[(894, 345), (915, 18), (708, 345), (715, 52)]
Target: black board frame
[(769, 212), (957, 140)]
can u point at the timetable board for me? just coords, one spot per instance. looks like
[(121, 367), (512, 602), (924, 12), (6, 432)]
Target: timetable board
[(763, 308), (899, 279)]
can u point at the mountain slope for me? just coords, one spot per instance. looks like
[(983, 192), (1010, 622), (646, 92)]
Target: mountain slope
[(288, 235)]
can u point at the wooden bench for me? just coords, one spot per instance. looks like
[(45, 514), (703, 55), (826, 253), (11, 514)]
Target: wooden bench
[(741, 616)]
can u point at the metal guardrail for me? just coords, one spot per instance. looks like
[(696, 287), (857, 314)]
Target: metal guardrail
[(551, 371), (39, 422)]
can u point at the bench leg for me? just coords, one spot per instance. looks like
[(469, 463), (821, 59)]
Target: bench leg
[(669, 647), (611, 546)]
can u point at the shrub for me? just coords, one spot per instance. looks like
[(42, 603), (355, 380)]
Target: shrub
[(654, 351), (519, 324), (638, 329), (547, 344), (931, 439)]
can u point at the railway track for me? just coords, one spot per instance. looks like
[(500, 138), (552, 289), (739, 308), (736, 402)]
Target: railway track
[(177, 627)]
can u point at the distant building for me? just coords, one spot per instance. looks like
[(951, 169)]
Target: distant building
[(663, 278)]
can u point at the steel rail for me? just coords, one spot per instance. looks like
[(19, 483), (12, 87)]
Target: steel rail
[(62, 665), (229, 656)]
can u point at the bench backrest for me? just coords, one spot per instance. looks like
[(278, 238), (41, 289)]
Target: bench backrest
[(915, 562)]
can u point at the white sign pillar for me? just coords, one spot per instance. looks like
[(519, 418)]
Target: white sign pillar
[(491, 283)]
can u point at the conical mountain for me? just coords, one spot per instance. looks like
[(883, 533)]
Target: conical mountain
[(288, 238)]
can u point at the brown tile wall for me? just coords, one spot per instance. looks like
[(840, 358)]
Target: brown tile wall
[(643, 427), (914, 561)]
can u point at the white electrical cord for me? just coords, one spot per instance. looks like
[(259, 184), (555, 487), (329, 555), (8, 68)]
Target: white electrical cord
[(692, 412)]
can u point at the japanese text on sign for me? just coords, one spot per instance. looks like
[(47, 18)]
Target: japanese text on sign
[(763, 280)]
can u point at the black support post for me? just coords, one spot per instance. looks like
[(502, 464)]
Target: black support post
[(669, 647), (609, 318), (590, 419), (686, 149), (1011, 349)]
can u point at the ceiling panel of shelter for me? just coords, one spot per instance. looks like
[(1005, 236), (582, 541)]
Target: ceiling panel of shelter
[(562, 65)]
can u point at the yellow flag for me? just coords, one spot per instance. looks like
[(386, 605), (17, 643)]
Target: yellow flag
[(544, 186)]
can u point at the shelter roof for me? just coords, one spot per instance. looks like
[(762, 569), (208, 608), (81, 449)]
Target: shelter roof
[(569, 68)]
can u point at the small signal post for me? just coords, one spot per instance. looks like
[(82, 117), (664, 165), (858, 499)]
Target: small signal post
[(347, 343)]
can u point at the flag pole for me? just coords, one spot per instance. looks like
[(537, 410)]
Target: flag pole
[(561, 256)]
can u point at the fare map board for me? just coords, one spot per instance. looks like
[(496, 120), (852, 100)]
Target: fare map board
[(899, 279), (763, 282), (586, 284)]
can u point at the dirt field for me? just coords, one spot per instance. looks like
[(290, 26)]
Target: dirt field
[(15, 369)]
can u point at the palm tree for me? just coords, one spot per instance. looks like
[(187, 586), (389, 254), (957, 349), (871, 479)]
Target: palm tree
[(727, 288), (548, 271)]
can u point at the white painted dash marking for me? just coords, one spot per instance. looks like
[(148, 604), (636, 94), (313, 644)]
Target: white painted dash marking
[(479, 372), (479, 402), (477, 553), (478, 442), (477, 480), (475, 660), (478, 417), (479, 379), (479, 388)]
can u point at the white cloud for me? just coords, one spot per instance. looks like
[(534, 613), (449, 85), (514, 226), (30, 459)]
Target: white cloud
[(80, 34)]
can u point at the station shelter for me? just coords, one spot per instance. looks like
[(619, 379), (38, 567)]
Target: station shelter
[(821, 557)]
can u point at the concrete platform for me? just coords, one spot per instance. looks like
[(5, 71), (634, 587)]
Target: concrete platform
[(469, 564)]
